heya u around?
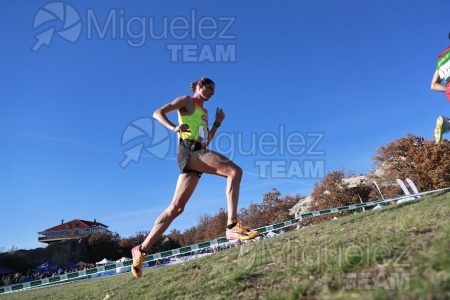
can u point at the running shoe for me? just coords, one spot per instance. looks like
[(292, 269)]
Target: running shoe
[(240, 232), (245, 228), (138, 259), (438, 130)]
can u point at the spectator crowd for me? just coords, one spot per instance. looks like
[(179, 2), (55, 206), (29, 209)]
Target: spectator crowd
[(31, 275)]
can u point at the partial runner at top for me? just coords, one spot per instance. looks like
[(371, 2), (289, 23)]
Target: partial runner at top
[(441, 83)]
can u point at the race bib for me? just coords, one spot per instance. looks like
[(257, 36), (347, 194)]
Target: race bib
[(444, 71), (444, 65), (203, 134)]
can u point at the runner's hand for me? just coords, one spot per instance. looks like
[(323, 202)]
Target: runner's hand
[(220, 115), (182, 128)]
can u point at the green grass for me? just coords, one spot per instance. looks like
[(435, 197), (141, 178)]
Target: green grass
[(398, 252)]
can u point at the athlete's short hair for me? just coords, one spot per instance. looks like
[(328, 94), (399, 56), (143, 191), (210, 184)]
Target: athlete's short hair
[(202, 80)]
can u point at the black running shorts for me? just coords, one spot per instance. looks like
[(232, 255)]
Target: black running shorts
[(185, 148)]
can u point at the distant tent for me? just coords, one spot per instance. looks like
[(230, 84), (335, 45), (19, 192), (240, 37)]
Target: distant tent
[(104, 262), (6, 270), (122, 259), (47, 267)]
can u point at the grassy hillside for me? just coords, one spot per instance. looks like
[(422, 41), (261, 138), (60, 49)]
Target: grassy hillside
[(398, 252)]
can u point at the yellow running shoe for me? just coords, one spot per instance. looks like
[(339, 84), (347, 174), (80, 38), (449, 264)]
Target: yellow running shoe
[(240, 232), (438, 130), (245, 228), (138, 259)]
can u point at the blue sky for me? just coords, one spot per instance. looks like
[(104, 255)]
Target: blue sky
[(308, 87)]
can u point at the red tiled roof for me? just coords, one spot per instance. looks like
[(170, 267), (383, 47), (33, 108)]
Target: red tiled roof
[(75, 224)]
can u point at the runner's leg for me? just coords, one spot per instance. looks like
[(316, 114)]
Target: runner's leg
[(185, 187), (211, 162)]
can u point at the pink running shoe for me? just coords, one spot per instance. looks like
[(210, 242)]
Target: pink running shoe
[(240, 232)]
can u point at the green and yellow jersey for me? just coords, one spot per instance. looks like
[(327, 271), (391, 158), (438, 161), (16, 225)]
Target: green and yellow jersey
[(198, 125)]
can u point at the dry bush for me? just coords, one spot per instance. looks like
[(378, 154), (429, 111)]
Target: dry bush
[(273, 209), (424, 162), (332, 191)]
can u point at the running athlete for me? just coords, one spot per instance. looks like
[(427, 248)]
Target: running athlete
[(194, 159), (441, 75)]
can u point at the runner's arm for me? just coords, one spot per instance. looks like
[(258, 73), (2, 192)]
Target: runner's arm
[(220, 116), (161, 113), (436, 84)]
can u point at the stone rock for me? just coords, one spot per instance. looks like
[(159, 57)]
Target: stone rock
[(60, 253), (23, 260)]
